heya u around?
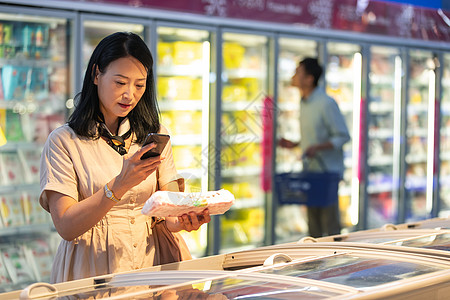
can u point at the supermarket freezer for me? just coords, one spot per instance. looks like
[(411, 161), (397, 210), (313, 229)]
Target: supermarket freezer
[(334, 270)]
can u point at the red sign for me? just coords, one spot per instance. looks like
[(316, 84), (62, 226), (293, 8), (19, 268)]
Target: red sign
[(375, 17)]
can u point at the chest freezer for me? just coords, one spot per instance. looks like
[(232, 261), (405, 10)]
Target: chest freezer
[(334, 270)]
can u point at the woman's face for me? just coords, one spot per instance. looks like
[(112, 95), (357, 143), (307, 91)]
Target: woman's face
[(120, 88)]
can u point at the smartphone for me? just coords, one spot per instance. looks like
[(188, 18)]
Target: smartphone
[(160, 140)]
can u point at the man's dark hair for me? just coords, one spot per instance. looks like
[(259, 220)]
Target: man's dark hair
[(313, 68), (144, 118)]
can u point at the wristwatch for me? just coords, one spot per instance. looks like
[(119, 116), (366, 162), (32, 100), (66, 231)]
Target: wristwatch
[(110, 195)]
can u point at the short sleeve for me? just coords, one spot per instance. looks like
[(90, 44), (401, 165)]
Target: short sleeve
[(167, 170), (57, 172)]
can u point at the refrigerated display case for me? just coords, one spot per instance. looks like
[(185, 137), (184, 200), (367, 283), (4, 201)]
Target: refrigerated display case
[(343, 78), (444, 154), (420, 126), (290, 219), (384, 135), (183, 79), (35, 83), (244, 87)]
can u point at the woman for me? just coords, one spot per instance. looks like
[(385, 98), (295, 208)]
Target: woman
[(93, 181)]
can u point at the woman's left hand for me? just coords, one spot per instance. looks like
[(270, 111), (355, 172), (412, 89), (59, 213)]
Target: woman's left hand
[(190, 221)]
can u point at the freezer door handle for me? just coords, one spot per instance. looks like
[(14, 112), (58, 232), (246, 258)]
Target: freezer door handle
[(37, 290), (277, 258)]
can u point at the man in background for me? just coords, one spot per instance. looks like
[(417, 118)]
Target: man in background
[(323, 133)]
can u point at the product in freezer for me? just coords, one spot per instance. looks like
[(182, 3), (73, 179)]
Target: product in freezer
[(15, 82), (173, 204)]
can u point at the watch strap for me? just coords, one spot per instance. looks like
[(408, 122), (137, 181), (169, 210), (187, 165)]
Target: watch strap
[(110, 194)]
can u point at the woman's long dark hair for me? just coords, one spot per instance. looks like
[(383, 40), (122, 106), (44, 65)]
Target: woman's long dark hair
[(144, 118)]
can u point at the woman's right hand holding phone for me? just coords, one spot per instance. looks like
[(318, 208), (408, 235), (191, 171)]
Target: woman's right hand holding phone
[(135, 170)]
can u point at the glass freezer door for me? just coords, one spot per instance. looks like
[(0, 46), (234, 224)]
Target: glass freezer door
[(385, 79), (183, 73), (244, 86), (343, 82), (35, 83), (291, 220), (444, 188), (96, 30), (420, 135)]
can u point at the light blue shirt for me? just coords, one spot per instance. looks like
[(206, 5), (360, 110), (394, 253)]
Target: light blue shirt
[(321, 121)]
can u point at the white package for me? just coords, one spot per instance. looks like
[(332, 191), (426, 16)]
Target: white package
[(174, 204)]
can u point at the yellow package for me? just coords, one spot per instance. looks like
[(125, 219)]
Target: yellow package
[(234, 93), (251, 85), (187, 157), (165, 53), (187, 122), (233, 55), (186, 52)]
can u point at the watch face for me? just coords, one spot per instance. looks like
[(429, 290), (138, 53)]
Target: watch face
[(108, 194)]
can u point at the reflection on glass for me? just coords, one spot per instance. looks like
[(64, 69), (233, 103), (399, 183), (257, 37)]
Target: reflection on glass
[(354, 271), (343, 83), (384, 135), (419, 114), (291, 219), (444, 191), (244, 88), (183, 67)]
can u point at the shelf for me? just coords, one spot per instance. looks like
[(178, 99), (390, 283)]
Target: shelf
[(381, 133), (13, 146), (187, 70), (17, 188), (243, 73), (417, 108), (243, 105), (26, 229), (415, 182), (416, 158), (380, 160), (180, 105), (288, 106), (381, 107), (380, 188), (445, 156), (242, 171), (34, 63), (186, 140), (247, 203), (417, 132), (241, 138)]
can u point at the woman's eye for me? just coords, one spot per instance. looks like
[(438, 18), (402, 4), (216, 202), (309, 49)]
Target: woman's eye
[(140, 86), (121, 83)]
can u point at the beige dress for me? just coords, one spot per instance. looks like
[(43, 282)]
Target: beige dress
[(121, 241)]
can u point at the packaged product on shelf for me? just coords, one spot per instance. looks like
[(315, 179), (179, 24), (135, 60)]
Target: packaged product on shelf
[(17, 264), (234, 92), (13, 167), (11, 210), (15, 82), (233, 55), (33, 213), (187, 52), (179, 88), (185, 158), (39, 84), (251, 85), (165, 53), (5, 279), (30, 159), (186, 122), (41, 257)]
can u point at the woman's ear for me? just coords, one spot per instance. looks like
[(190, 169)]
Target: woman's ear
[(96, 73)]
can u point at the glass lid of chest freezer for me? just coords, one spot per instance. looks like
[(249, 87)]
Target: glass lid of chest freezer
[(431, 241), (381, 237), (212, 285), (357, 270)]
